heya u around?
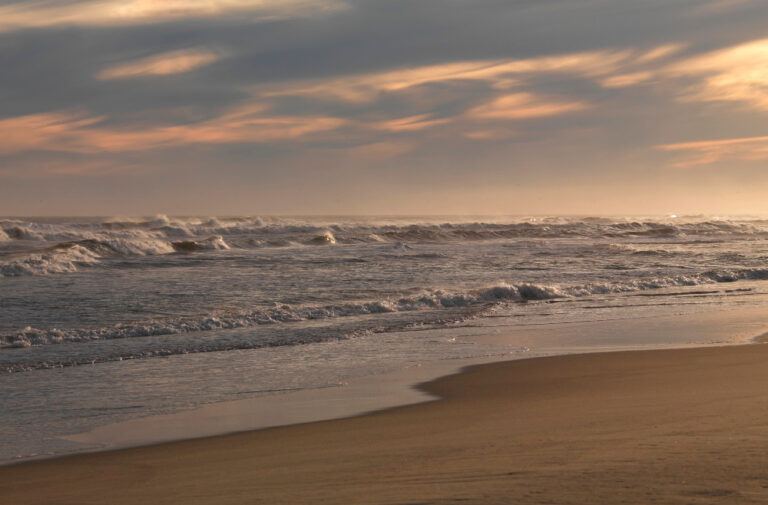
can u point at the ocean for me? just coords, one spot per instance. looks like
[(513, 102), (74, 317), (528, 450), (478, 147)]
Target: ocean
[(108, 319)]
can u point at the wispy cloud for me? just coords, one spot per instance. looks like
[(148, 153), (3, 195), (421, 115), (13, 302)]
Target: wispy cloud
[(490, 133), (46, 13), (504, 84), (38, 131), (174, 62), (523, 106), (500, 74), (626, 80), (659, 52), (738, 73), (712, 151), (71, 132), (409, 124)]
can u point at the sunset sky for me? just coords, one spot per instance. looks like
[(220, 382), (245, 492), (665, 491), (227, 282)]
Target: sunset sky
[(199, 107)]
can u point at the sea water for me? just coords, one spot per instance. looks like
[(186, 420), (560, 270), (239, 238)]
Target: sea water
[(108, 319)]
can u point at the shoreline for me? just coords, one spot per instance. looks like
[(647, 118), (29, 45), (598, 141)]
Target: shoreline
[(373, 393), (492, 424)]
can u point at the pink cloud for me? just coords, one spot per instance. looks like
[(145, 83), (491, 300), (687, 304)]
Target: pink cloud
[(738, 73), (523, 106), (712, 151), (45, 13), (174, 62), (80, 134)]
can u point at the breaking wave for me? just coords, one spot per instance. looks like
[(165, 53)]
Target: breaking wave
[(215, 242), (371, 231), (325, 238), (428, 300), (65, 257), (58, 246), (52, 261)]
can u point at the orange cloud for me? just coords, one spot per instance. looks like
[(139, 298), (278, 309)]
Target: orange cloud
[(611, 68), (411, 123), (625, 80), (174, 62), (498, 73), (712, 151), (491, 134), (640, 68), (659, 52), (738, 73), (75, 133), (35, 131), (44, 13), (523, 106)]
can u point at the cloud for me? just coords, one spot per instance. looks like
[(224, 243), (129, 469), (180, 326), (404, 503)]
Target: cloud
[(36, 131), (408, 124), (523, 106), (738, 73), (491, 134), (499, 73), (659, 52), (174, 62), (626, 80), (610, 68), (76, 133), (712, 151), (46, 13)]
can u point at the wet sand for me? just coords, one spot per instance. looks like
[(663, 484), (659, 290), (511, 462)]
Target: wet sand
[(687, 426)]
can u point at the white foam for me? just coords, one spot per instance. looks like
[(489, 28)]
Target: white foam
[(428, 299), (49, 262), (213, 242), (325, 238)]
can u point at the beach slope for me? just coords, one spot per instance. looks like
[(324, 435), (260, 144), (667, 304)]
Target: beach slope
[(672, 426)]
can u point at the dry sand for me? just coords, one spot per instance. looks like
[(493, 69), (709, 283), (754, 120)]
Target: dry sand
[(673, 426)]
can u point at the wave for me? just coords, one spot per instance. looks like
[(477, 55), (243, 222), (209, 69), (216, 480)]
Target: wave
[(157, 346), (427, 300), (21, 242), (325, 238), (66, 257), (22, 233), (53, 261), (351, 231), (215, 242)]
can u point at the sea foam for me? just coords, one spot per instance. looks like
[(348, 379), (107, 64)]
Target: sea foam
[(427, 300)]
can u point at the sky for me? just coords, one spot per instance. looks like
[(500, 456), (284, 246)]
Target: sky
[(295, 107)]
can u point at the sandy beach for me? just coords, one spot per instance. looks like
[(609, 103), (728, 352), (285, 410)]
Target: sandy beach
[(671, 426)]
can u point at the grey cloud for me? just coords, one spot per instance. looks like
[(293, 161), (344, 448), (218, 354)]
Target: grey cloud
[(54, 68)]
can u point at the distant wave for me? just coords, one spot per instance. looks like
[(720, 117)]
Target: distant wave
[(60, 246), (66, 257), (212, 242), (51, 261), (361, 231), (428, 300), (325, 238)]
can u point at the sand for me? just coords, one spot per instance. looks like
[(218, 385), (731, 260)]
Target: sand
[(683, 426)]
